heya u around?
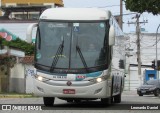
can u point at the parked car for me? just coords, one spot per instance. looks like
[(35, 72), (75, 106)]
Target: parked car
[(150, 87)]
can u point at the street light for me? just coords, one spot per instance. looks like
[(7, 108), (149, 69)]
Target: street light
[(157, 74)]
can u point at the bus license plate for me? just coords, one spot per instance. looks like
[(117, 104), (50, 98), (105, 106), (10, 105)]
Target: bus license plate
[(68, 91)]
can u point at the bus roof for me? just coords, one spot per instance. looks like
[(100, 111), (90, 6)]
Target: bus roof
[(75, 14)]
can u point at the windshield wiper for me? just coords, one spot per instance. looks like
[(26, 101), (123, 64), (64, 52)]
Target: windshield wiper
[(81, 56), (56, 58)]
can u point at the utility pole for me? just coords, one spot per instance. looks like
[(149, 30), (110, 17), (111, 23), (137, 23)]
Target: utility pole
[(138, 44), (157, 72), (121, 15), (138, 48)]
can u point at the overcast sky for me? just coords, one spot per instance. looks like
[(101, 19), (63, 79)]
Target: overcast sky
[(114, 6)]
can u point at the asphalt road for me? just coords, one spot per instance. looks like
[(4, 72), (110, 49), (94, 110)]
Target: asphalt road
[(130, 102)]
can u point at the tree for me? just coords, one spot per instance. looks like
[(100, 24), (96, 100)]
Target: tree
[(140, 6), (19, 44)]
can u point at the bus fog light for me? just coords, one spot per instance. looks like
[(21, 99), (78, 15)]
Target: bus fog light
[(97, 91), (99, 79), (40, 89)]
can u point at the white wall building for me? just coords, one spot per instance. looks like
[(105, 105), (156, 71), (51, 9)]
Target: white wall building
[(21, 76), (148, 54)]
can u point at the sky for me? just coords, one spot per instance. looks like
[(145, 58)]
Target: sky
[(114, 7)]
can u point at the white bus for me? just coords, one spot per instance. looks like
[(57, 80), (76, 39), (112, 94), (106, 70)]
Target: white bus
[(74, 56)]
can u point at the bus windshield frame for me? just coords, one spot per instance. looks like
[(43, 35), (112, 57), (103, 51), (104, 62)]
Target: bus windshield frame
[(72, 46)]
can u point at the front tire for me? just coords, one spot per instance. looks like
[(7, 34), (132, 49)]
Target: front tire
[(48, 101), (140, 94), (117, 98), (156, 92), (106, 101)]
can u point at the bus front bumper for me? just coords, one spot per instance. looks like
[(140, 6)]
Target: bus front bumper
[(97, 90)]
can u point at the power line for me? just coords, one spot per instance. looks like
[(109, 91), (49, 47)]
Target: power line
[(128, 14), (106, 6)]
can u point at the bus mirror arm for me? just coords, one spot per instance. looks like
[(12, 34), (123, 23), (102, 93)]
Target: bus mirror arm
[(29, 32), (111, 36)]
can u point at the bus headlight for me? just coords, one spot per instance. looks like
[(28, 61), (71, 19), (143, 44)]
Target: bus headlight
[(99, 79), (40, 78)]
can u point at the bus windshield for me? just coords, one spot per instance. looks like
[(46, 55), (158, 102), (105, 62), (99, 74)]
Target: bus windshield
[(72, 45)]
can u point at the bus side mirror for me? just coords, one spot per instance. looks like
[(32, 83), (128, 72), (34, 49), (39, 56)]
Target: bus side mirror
[(111, 36), (29, 32)]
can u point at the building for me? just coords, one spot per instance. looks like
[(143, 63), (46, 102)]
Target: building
[(21, 76), (148, 54), (26, 9), (31, 2)]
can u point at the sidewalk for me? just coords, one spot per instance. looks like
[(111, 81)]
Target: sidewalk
[(8, 95), (11, 95), (132, 92)]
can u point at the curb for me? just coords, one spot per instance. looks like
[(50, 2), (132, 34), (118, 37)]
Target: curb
[(15, 96)]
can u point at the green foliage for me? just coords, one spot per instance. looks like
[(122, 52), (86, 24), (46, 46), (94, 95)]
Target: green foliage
[(140, 6), (19, 44)]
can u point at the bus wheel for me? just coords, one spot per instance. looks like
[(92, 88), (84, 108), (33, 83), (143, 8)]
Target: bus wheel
[(48, 101), (106, 101), (117, 98)]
